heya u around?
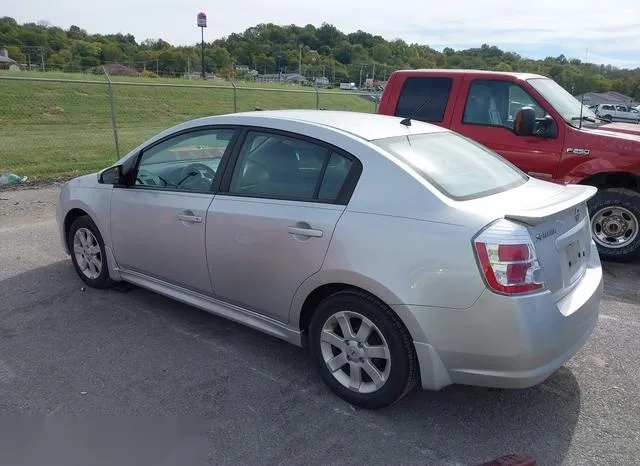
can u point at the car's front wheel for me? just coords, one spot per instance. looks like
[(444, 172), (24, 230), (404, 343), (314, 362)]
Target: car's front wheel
[(362, 350), (88, 252)]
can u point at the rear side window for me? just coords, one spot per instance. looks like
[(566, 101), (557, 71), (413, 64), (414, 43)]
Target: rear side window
[(416, 91), (455, 165), (334, 177)]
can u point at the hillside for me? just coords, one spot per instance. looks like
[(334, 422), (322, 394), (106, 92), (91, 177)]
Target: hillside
[(63, 128), (318, 51)]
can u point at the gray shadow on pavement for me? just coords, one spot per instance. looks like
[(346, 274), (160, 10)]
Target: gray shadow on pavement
[(98, 352)]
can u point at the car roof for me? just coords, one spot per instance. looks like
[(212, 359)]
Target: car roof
[(448, 72), (368, 126)]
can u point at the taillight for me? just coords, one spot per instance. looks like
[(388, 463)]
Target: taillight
[(508, 259)]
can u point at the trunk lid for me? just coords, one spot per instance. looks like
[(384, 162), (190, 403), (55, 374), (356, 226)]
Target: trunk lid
[(561, 232), (557, 219)]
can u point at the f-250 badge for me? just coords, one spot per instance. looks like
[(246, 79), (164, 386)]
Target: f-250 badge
[(576, 151)]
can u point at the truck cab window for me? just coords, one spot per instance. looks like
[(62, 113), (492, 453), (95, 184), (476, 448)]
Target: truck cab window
[(495, 103), (416, 91)]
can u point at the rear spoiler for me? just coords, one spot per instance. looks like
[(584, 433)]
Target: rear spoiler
[(572, 195)]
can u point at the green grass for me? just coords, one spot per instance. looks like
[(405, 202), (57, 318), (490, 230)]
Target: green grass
[(61, 129)]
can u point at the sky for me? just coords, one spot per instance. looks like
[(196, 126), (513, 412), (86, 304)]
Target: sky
[(605, 32)]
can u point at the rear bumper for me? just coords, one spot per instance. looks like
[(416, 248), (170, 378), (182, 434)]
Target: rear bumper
[(508, 342)]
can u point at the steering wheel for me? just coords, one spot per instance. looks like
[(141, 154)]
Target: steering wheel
[(147, 178), (193, 170)]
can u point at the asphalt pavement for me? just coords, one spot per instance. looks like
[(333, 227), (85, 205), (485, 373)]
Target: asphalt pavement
[(130, 371)]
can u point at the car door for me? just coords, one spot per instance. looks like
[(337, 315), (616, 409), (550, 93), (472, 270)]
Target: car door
[(607, 111), (487, 117), (624, 113), (158, 221), (271, 229)]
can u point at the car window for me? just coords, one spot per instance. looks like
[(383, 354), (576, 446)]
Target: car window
[(418, 90), (334, 177), (495, 103), (187, 162), (281, 167), (620, 108), (455, 165)]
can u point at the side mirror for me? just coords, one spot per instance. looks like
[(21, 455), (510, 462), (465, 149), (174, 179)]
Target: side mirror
[(524, 123), (111, 175), (550, 128)]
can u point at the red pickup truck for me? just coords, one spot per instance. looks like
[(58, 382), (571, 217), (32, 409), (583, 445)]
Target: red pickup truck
[(537, 125)]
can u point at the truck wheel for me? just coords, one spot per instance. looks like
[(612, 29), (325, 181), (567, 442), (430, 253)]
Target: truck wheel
[(608, 118), (615, 219)]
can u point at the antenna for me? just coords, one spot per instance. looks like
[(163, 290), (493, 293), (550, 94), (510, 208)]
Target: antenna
[(407, 121), (586, 57)]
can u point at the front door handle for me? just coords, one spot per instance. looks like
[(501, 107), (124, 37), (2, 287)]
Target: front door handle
[(189, 218), (305, 232)]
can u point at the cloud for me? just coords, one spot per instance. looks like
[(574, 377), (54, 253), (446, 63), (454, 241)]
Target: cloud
[(608, 30)]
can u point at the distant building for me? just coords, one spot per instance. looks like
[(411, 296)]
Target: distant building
[(281, 78), (611, 97), (5, 61)]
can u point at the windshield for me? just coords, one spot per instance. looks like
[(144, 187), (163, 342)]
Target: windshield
[(562, 101), (455, 165)]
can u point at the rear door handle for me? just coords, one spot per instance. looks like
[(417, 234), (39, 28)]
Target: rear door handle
[(189, 218), (305, 232)]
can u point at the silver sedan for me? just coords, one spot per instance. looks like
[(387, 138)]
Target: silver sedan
[(400, 253)]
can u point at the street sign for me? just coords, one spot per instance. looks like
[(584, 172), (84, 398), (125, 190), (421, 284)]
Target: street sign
[(202, 20)]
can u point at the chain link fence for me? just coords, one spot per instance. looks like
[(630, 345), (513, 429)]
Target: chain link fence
[(56, 127)]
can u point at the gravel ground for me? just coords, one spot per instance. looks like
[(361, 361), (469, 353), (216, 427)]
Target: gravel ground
[(152, 370)]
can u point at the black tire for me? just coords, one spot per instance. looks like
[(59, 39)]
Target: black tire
[(616, 197), (403, 371), (102, 280), (608, 118)]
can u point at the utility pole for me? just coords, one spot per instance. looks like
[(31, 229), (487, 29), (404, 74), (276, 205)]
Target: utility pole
[(360, 86), (300, 61), (202, 23), (373, 73)]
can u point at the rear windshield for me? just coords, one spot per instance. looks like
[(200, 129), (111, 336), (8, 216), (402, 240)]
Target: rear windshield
[(457, 166)]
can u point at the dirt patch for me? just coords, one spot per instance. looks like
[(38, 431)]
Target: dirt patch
[(55, 110), (33, 203), (54, 113)]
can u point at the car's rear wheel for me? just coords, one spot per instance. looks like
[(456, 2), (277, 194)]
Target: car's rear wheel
[(615, 223), (88, 252), (362, 350)]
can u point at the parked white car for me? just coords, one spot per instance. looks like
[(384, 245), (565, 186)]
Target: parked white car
[(612, 112)]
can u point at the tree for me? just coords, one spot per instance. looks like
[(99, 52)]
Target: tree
[(85, 54), (218, 58)]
